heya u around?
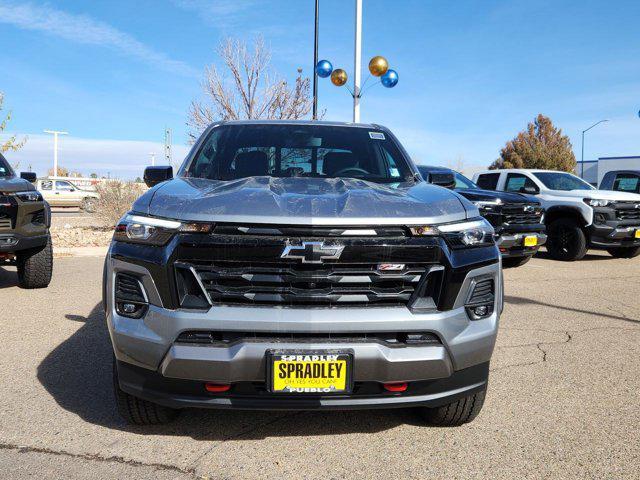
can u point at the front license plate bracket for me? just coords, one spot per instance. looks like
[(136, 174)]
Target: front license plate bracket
[(325, 379)]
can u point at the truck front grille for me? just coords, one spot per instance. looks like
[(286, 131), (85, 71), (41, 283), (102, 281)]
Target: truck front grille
[(227, 338), (280, 283), (627, 210), (8, 212), (521, 213), (5, 224)]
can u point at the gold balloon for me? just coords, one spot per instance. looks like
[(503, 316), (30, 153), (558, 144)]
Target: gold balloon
[(378, 66), (339, 77)]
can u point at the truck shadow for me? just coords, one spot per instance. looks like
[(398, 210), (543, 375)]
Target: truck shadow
[(8, 278), (77, 374), (510, 299)]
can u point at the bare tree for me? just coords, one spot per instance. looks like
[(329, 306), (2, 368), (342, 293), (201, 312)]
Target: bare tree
[(62, 172), (456, 164), (11, 143), (246, 88)]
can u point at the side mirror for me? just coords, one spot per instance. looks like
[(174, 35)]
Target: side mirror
[(446, 180), (156, 175), (529, 190), (29, 176)]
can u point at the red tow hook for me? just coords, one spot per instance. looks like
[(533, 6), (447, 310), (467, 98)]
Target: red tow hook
[(217, 387), (395, 387)]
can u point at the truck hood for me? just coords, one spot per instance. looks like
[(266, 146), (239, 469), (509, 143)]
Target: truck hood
[(477, 194), (304, 201), (599, 194), (15, 184)]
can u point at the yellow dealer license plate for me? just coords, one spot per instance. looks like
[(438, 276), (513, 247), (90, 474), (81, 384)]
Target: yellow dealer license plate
[(310, 372), (638, 233), (530, 241)]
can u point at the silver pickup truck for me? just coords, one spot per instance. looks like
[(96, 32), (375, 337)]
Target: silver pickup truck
[(301, 265)]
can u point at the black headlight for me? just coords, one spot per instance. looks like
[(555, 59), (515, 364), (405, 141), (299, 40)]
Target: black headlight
[(472, 233), (152, 230), (485, 206), (30, 196)]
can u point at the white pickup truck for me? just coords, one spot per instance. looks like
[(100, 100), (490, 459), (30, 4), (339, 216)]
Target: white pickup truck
[(578, 216), (63, 193)]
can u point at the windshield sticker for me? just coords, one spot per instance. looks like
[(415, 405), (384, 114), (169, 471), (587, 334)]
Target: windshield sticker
[(376, 135), (626, 184)]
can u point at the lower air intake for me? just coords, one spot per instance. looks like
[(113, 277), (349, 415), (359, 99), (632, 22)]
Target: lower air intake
[(129, 296)]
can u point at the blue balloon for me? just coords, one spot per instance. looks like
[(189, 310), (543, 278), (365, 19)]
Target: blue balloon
[(324, 68), (389, 79)]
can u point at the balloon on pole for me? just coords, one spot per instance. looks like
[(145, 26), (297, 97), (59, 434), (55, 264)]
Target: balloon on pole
[(378, 66), (339, 77), (389, 79), (324, 68)]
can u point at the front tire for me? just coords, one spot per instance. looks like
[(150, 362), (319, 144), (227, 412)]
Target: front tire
[(456, 413), (624, 252), (35, 267), (513, 262), (136, 411), (88, 205), (566, 241)]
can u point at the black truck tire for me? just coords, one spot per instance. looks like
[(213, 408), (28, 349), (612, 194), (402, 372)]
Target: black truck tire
[(624, 252), (456, 413), (513, 262), (137, 411), (566, 241), (35, 267)]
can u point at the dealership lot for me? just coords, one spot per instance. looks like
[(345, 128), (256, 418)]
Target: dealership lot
[(562, 401)]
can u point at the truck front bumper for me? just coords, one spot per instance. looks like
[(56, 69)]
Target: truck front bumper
[(151, 364), (14, 242), (608, 236), (512, 244), (180, 393)]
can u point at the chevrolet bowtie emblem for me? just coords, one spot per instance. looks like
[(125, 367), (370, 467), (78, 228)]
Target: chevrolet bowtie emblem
[(312, 252)]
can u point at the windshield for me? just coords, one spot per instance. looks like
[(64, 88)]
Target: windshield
[(5, 168), (321, 151), (463, 182), (562, 181)]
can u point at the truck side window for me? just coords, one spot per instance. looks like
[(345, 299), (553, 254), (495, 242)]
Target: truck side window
[(517, 181), (64, 186), (46, 185), (627, 183), (488, 181)]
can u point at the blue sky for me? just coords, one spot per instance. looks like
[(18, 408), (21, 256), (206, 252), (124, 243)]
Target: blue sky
[(472, 74)]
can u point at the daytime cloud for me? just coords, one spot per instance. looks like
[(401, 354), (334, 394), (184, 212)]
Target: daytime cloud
[(87, 30)]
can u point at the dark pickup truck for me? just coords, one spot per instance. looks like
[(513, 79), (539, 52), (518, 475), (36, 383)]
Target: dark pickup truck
[(516, 218), (24, 228)]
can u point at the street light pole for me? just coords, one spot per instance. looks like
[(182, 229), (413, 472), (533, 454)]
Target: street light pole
[(582, 156), (357, 73), (55, 148), (315, 62)]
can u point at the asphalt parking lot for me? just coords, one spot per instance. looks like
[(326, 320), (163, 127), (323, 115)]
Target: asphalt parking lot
[(562, 401)]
